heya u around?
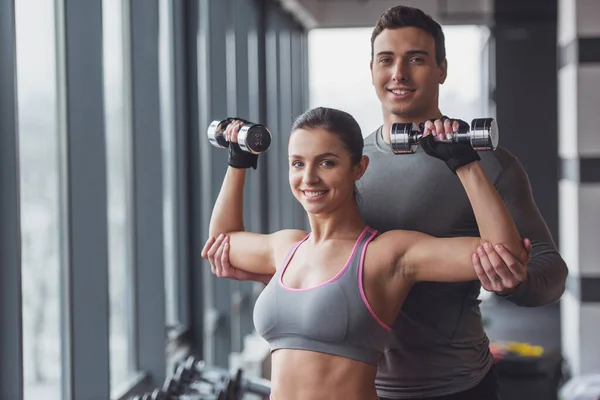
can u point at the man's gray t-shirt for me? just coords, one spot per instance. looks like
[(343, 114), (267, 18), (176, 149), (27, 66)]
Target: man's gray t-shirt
[(440, 346)]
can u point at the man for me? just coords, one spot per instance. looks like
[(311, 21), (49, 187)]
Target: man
[(440, 349)]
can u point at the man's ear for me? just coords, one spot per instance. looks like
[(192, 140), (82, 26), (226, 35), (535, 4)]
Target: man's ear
[(443, 67), (371, 69)]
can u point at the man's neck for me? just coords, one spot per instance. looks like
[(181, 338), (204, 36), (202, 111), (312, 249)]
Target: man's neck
[(390, 119)]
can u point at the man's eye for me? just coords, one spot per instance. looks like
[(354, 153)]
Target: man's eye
[(384, 60)]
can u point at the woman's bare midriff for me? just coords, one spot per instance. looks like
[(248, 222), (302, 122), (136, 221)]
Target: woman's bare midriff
[(303, 375)]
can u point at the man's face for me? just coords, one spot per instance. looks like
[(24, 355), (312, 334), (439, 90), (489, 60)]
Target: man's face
[(405, 74)]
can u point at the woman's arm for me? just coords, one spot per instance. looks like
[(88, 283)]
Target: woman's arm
[(248, 251), (427, 258), (251, 252), (433, 259)]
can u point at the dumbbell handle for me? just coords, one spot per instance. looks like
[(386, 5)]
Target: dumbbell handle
[(457, 137)]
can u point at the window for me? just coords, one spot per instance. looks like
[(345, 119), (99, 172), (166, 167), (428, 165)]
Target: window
[(40, 183), (460, 96), (117, 108)]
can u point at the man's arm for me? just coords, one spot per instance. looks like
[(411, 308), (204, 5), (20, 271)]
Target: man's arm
[(546, 270)]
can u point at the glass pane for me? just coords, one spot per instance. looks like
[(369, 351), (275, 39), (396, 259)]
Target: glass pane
[(40, 198), (167, 115), (118, 160)]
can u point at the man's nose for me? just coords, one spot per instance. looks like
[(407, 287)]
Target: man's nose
[(400, 72)]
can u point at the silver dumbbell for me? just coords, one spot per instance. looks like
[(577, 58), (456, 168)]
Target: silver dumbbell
[(483, 136), (253, 138)]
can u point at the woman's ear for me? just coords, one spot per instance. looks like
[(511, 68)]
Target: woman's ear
[(361, 168)]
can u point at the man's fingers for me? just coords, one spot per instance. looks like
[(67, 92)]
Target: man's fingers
[(213, 248), (455, 126), (483, 278), (448, 126), (499, 266), (493, 277), (206, 247), (439, 127), (428, 127), (217, 260), (515, 267), (527, 245), (225, 256)]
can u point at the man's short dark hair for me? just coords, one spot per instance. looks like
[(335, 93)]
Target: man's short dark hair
[(403, 17)]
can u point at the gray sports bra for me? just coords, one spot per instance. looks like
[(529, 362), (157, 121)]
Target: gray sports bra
[(333, 317)]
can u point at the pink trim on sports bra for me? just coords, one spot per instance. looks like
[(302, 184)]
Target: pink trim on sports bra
[(329, 280), (360, 284)]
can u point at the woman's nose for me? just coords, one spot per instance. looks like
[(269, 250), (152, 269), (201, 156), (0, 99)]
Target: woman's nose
[(310, 176)]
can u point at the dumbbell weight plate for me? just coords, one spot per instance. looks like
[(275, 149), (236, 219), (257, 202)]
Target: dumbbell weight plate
[(400, 138), (484, 134), (215, 134), (254, 138)]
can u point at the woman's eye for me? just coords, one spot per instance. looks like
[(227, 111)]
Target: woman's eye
[(296, 164), (327, 163)]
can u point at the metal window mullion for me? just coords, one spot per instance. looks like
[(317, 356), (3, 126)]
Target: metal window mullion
[(11, 341), (148, 266), (195, 94), (62, 127), (244, 23), (213, 164), (273, 110), (289, 203), (127, 141), (87, 314), (259, 199), (298, 106), (234, 55), (182, 240)]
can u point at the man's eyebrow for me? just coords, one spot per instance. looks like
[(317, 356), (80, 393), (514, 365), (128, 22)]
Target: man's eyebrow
[(408, 52), (414, 52)]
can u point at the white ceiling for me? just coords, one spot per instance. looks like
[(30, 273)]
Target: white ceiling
[(364, 13)]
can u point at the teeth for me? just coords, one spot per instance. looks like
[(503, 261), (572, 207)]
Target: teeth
[(313, 194), (401, 92)]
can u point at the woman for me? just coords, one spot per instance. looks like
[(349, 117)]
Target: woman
[(337, 289)]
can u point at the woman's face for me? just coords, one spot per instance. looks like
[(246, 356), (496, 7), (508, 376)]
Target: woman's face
[(321, 173)]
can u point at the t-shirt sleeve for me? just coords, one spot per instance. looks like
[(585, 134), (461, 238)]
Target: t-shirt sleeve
[(546, 270)]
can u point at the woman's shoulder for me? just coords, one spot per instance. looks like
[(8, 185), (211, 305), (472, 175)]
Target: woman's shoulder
[(394, 238), (288, 236), (390, 246)]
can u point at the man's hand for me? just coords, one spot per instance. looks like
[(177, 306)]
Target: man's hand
[(216, 251), (498, 270)]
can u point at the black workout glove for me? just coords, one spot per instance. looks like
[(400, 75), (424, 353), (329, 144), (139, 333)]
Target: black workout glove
[(239, 158), (455, 155)]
